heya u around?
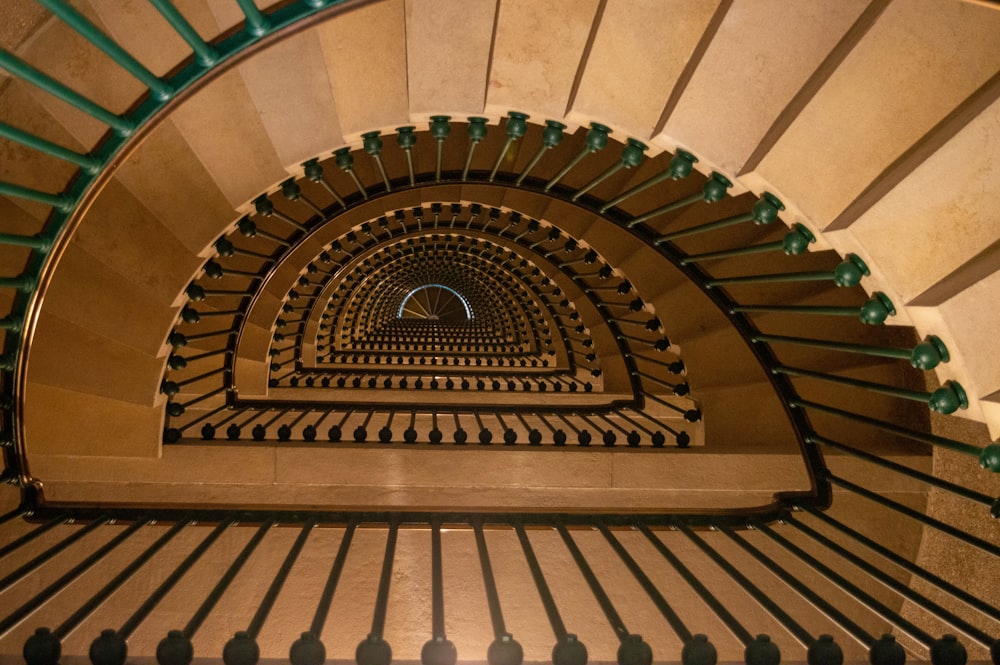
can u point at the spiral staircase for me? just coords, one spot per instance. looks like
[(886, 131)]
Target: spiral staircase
[(417, 325)]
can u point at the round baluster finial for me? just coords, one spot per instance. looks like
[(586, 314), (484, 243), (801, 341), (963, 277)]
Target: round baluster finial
[(633, 651), (715, 188), (505, 651), (949, 398), (373, 651), (109, 649), (569, 651), (762, 651), (929, 353), (824, 651), (682, 164), (699, 651), (174, 649), (948, 651), (438, 651), (797, 240), (877, 309), (850, 271), (42, 648), (886, 651), (307, 650)]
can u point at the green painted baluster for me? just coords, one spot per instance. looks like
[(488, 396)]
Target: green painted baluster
[(314, 172), (440, 129), (477, 132), (406, 140), (847, 273), (38, 242), (552, 136), (373, 146), (11, 322), (632, 156), (597, 139), (926, 355), (679, 389), (21, 69), (74, 19), (764, 211), (89, 164), (345, 160), (293, 192), (681, 166), (21, 282), (265, 207), (204, 53), (516, 128), (947, 399), (248, 229), (257, 24), (57, 201), (794, 243), (874, 312), (714, 191)]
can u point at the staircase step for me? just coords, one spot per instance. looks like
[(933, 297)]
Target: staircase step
[(89, 294), (67, 356), (447, 57), (533, 67), (169, 179), (727, 107), (88, 425), (280, 74), (224, 129), (896, 54), (941, 216), (126, 237), (142, 31), (60, 52), (27, 167), (366, 59), (638, 53)]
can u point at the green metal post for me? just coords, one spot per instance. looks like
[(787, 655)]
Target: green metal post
[(714, 191), (552, 136), (373, 146), (632, 156), (874, 312), (89, 164), (23, 70), (891, 428), (11, 323), (440, 129), (795, 242), (516, 128), (680, 167), (847, 273), (21, 282), (926, 356), (205, 54), (947, 399), (902, 469), (477, 132), (38, 242), (74, 19), (406, 140), (57, 201), (257, 24), (764, 211), (597, 139)]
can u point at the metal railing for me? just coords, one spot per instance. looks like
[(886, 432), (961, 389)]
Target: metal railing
[(768, 562)]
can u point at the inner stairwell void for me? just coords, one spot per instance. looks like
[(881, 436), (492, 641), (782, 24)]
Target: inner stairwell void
[(458, 329)]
